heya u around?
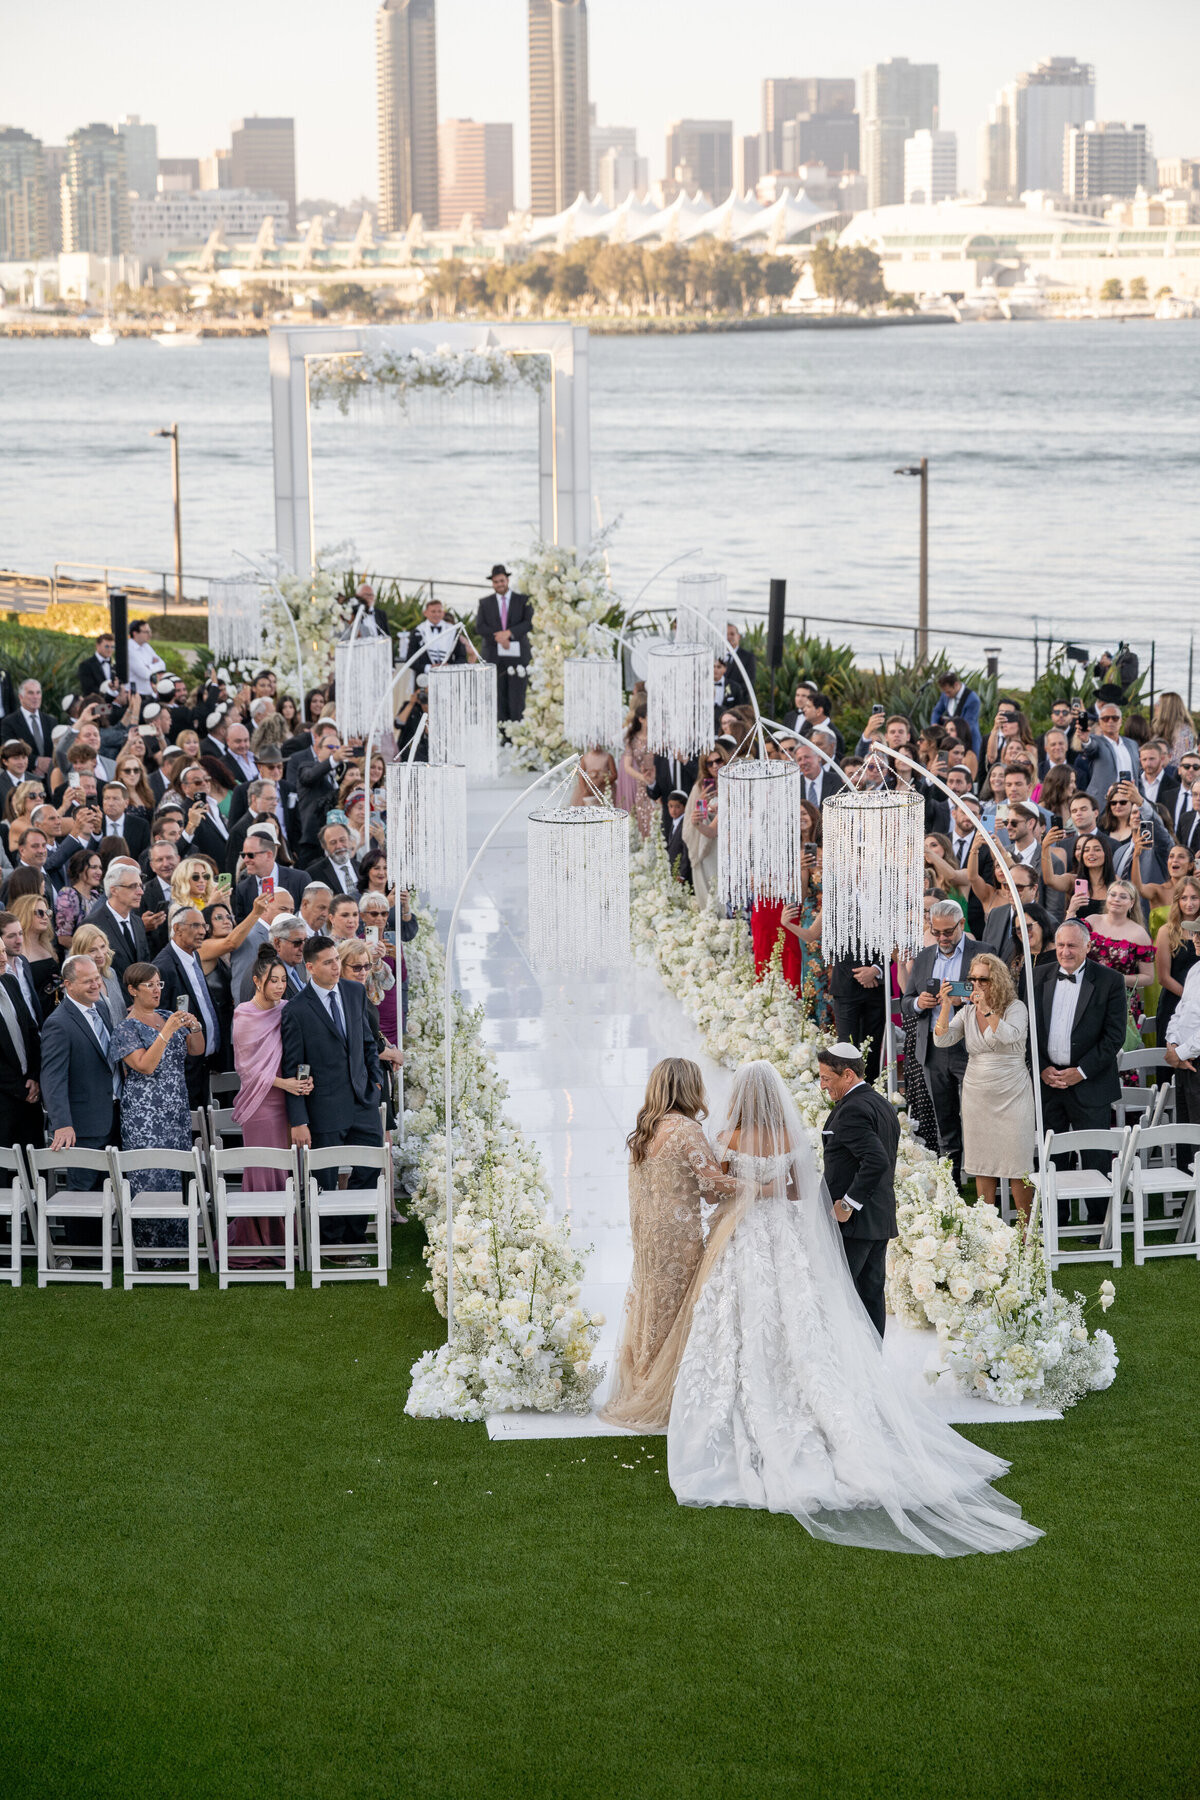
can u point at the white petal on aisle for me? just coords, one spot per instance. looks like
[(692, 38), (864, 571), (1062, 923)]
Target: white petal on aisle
[(576, 1057)]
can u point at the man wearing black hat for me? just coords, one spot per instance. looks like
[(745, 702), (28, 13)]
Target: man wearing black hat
[(503, 622)]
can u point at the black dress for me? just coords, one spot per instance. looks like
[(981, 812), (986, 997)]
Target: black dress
[(1182, 963), (219, 982)]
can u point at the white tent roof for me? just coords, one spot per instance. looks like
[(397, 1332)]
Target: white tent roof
[(581, 219), (735, 218), (785, 220), (674, 223), (621, 225)]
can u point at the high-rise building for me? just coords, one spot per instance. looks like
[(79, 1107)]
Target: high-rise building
[(747, 163), (475, 173), (1179, 172), (930, 167), (24, 223), (829, 138), (621, 173), (559, 116), (263, 158), (1103, 156), (622, 138), (705, 148), (55, 158), (178, 175), (95, 193), (898, 98), (1021, 144), (406, 112), (785, 97), (216, 171), (141, 155)]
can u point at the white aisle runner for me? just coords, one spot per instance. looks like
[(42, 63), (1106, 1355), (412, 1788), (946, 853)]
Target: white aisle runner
[(576, 1057)]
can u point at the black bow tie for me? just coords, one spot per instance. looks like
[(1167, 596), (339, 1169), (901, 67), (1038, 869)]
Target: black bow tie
[(1063, 976)]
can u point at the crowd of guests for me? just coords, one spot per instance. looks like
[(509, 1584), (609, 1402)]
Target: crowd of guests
[(1098, 822), (193, 882)]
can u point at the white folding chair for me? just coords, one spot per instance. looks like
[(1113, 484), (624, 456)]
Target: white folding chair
[(220, 1085), (1137, 1096), (68, 1205), (1165, 1181), (224, 1132), (234, 1203), (341, 1203), (187, 1202), (1075, 1186), (16, 1205)]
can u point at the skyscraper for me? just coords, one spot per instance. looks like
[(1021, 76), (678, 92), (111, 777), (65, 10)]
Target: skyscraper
[(785, 97), (141, 155), (95, 193), (898, 98), (406, 111), (559, 129), (24, 221), (263, 158), (1103, 157), (602, 138), (704, 147), (930, 167), (829, 138), (475, 172), (1021, 143)]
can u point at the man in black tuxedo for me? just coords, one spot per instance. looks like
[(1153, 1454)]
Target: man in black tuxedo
[(185, 989), (504, 620), (746, 658), (672, 774), (205, 832), (327, 1028), (237, 756), (947, 959), (816, 714), (99, 667), (1082, 1016), (440, 640), (14, 765), (30, 723), (859, 993), (264, 875), (337, 868), (677, 851), (1160, 783), (372, 618), (120, 822), (861, 1138), (117, 917), (21, 1120)]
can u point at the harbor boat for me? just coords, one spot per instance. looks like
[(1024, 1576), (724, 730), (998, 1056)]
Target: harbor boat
[(104, 335), (171, 338)]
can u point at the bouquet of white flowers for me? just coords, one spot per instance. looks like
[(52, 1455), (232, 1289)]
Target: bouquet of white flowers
[(570, 592)]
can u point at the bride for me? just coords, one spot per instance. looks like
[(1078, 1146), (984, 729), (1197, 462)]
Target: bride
[(782, 1399)]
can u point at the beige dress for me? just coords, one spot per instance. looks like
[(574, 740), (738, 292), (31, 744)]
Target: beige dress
[(997, 1096), (671, 1260)]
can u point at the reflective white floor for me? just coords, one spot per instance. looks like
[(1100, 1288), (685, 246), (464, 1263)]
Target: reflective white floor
[(576, 1057)]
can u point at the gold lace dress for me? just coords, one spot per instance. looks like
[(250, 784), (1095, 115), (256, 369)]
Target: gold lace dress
[(670, 1265)]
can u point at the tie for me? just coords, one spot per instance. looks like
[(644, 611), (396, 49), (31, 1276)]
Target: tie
[(812, 793), (339, 1024), (295, 980), (127, 934), (102, 1033), (1063, 976), (962, 849), (9, 1015), (199, 988), (504, 613), (35, 730)]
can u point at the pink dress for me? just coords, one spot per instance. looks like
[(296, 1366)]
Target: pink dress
[(260, 1110)]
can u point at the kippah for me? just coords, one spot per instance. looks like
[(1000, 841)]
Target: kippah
[(845, 1050)]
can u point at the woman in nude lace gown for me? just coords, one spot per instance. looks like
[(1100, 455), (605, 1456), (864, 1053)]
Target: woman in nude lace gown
[(672, 1170)]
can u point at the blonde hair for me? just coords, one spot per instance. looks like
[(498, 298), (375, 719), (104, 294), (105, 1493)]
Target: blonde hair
[(22, 908), (181, 881), (1170, 715), (675, 1086), (87, 941), (1121, 886), (1175, 916), (25, 795), (999, 986)]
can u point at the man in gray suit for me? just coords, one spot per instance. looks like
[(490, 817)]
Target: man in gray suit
[(78, 1085), (947, 959), (1107, 757)]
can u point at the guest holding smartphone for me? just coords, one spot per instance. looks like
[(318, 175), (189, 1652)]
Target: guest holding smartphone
[(998, 1127)]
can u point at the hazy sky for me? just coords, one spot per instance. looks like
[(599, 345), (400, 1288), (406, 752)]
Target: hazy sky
[(193, 69)]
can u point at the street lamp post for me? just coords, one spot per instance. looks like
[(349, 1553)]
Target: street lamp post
[(172, 432), (922, 469)]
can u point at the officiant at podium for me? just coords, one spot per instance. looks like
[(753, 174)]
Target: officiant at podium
[(503, 622)]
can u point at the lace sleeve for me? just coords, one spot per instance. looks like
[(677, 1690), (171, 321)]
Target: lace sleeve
[(699, 1156)]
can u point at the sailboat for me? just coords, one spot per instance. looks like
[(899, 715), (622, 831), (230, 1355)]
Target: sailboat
[(171, 338), (104, 335)]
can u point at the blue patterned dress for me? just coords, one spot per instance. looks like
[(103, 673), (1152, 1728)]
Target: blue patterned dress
[(154, 1116)]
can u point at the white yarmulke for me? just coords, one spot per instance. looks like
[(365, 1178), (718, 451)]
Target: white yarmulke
[(165, 686), (844, 1050)]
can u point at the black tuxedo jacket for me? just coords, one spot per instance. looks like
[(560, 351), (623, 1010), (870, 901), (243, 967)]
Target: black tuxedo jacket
[(346, 1075), (748, 661), (663, 786), (520, 622), (861, 1137), (91, 674), (323, 870), (136, 833), (13, 725), (239, 805), (122, 957), (830, 784), (677, 851), (12, 1081), (33, 1019), (246, 892), (1098, 1033), (155, 899), (205, 841), (317, 786)]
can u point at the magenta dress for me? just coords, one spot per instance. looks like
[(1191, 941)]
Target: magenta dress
[(260, 1110), (389, 1002)]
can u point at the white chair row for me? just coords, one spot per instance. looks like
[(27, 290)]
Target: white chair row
[(1141, 1167), (35, 1200)]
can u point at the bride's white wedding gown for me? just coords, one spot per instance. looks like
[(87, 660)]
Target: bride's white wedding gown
[(783, 1400)]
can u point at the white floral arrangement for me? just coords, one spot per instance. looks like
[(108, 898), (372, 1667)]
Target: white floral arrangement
[(401, 372), (522, 1340), (570, 591), (1018, 1343), (706, 961)]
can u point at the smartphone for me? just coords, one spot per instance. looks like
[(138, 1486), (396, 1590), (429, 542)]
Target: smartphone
[(1081, 890), (224, 883), (389, 937), (1002, 812), (303, 1071), (960, 990), (371, 934), (268, 886), (877, 708)]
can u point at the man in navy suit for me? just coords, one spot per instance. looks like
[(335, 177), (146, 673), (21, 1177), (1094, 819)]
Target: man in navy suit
[(78, 1085), (21, 1119), (326, 1027)]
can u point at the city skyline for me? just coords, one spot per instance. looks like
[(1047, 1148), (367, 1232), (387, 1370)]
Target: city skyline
[(483, 72)]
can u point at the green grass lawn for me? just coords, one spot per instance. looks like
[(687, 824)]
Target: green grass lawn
[(230, 1566)]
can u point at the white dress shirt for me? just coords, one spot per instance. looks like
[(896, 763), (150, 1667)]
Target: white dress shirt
[(344, 873), (36, 732), (1150, 788), (144, 665), (194, 970), (1124, 760), (1184, 1029), (114, 827), (1062, 1020), (437, 641), (962, 848)]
